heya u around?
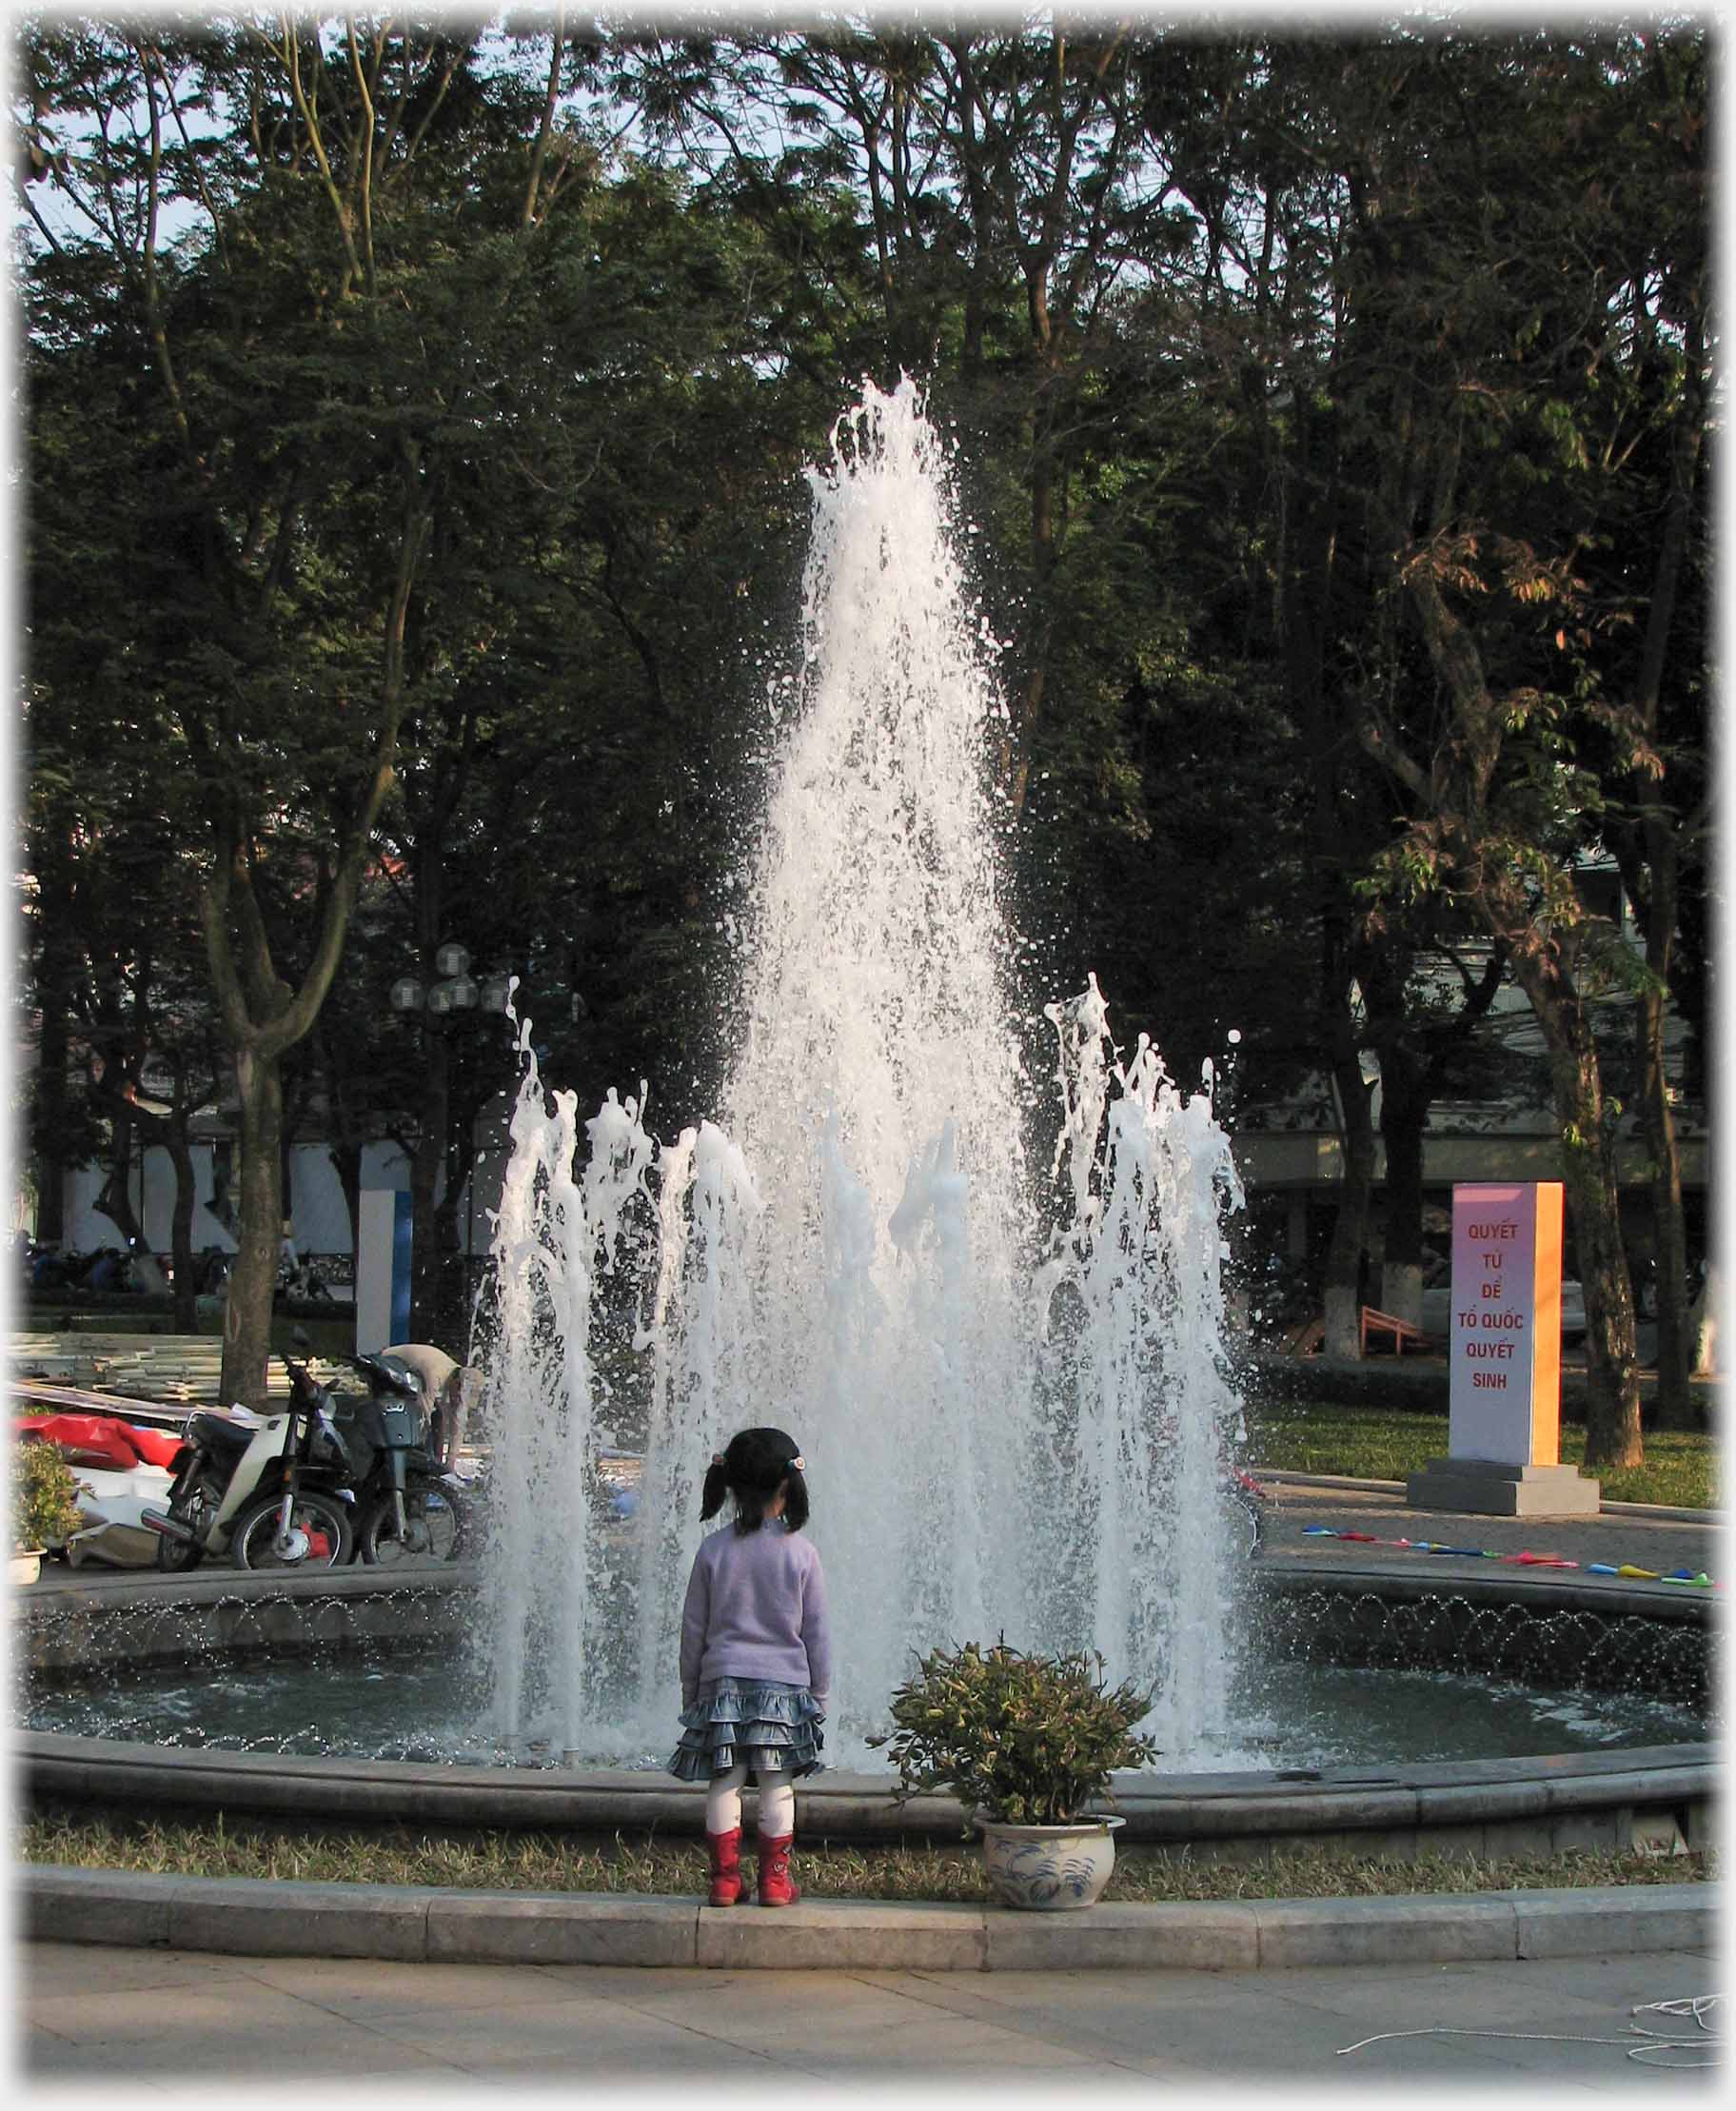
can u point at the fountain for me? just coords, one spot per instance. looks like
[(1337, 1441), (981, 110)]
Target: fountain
[(1007, 1376), (1005, 1433)]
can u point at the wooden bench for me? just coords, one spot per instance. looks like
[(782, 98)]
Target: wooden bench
[(1387, 1323), (1304, 1337)]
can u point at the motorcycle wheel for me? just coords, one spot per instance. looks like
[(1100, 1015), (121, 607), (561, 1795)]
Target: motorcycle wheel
[(436, 1521), (252, 1541), (176, 1556), (1246, 1522)]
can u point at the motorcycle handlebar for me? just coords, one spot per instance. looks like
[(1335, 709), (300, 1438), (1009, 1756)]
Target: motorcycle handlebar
[(381, 1373), (302, 1382)]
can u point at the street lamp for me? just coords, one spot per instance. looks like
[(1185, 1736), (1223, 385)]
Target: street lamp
[(433, 1004), (457, 990)]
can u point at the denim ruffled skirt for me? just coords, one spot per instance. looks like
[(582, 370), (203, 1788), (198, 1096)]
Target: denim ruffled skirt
[(753, 1723)]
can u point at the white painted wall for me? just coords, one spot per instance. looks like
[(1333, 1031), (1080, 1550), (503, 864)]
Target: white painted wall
[(320, 1219)]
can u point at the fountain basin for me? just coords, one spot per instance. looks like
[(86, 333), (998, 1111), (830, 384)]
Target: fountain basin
[(1660, 1795)]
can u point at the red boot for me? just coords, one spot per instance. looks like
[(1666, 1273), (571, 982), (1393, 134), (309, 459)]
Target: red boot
[(775, 1886), (725, 1850)]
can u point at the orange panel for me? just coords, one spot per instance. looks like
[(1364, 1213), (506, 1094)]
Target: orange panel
[(1545, 1322)]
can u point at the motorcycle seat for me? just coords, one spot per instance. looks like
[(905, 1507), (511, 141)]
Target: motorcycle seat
[(218, 1436)]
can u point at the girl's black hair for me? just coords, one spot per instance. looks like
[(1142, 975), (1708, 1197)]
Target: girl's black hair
[(753, 1466)]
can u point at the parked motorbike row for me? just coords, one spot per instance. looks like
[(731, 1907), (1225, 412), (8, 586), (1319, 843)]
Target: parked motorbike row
[(336, 1475), (112, 1270), (107, 1268)]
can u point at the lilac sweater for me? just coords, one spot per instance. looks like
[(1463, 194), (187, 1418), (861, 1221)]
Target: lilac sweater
[(756, 1610)]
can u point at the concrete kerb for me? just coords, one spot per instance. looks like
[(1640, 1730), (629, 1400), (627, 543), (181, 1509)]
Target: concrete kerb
[(244, 1916)]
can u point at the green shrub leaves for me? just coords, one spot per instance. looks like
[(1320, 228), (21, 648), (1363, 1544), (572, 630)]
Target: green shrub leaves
[(1024, 1739)]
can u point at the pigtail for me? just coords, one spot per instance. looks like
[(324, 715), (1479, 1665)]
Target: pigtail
[(796, 1502), (716, 1487)]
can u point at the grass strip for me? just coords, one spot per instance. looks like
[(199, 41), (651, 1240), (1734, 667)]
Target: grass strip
[(1682, 1468), (547, 1862)]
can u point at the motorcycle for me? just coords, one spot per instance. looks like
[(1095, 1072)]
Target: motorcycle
[(407, 1509), (51, 1270), (211, 1267), (271, 1491), (299, 1280)]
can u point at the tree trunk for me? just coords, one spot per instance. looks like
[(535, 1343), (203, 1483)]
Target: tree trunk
[(1612, 1405), (247, 1319), (1670, 1233), (49, 1124), (54, 974), (1404, 1115), (185, 1287), (115, 1201)]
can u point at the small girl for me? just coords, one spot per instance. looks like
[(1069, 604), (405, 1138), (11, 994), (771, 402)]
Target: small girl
[(755, 1660)]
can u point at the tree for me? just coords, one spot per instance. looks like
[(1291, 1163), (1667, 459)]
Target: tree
[(994, 178), (1648, 590), (1496, 332), (111, 911), (313, 401)]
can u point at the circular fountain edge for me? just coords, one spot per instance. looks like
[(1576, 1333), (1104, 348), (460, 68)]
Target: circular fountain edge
[(1660, 1795)]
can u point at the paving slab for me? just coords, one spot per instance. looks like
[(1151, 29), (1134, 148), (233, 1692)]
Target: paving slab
[(573, 2038), (40, 2057), (403, 1992), (1502, 1997), (268, 2019), (206, 2029), (1091, 2013), (928, 2044), (50, 1965)]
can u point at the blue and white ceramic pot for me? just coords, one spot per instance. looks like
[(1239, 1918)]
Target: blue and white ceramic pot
[(1050, 1868)]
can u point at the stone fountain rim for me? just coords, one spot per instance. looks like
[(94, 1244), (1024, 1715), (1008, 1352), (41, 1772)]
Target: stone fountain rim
[(1544, 1588), (1543, 1791)]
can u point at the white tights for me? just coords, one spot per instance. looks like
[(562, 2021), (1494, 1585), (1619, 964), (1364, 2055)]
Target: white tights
[(776, 1801)]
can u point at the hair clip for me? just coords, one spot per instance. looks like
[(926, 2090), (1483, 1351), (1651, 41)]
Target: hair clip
[(716, 1458), (796, 1466)]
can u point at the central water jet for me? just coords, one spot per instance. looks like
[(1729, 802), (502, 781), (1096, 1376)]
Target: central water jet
[(1006, 1432)]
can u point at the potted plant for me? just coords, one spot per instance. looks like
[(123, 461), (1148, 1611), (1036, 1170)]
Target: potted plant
[(1025, 1743), (45, 1505)]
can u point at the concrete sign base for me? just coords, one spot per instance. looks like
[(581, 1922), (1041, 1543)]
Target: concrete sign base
[(1490, 1488)]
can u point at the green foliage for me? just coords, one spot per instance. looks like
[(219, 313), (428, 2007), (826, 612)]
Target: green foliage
[(1424, 302), (1025, 1740), (45, 1495)]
